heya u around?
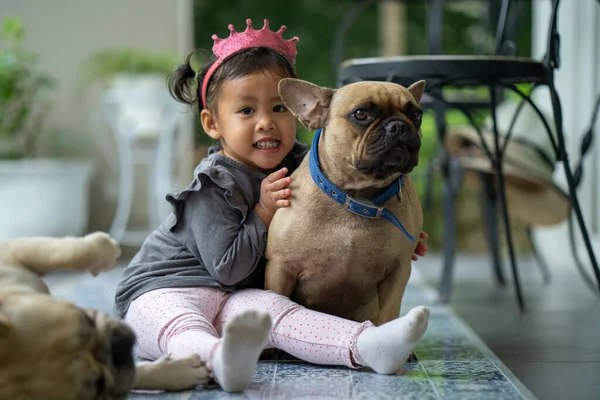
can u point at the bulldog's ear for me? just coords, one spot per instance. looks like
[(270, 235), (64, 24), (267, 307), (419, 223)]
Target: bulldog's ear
[(416, 89), (308, 102)]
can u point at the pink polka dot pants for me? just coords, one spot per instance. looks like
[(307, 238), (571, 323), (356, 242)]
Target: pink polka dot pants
[(185, 321)]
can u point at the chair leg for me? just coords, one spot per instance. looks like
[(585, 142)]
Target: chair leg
[(429, 181), (541, 261), (120, 221), (452, 172), (490, 213), (563, 156), (503, 205)]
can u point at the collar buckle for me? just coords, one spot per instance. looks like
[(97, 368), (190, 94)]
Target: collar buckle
[(362, 209)]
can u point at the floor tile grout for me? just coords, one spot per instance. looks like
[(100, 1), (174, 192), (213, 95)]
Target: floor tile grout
[(430, 381)]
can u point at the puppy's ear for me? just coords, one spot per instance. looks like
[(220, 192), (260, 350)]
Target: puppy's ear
[(308, 102), (416, 89)]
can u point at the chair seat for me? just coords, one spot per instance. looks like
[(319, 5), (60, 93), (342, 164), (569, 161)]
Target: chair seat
[(446, 70)]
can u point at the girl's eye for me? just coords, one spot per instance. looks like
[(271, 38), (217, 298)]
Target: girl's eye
[(247, 111), (361, 114), (279, 108)]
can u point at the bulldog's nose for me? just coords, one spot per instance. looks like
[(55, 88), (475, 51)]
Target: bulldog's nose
[(122, 340), (396, 127)]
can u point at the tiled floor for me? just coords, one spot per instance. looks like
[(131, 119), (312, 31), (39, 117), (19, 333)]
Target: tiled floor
[(453, 362), (553, 347)]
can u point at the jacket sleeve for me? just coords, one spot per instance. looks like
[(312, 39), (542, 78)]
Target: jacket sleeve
[(229, 239)]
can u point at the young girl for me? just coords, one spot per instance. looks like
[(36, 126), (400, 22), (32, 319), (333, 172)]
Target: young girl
[(194, 286)]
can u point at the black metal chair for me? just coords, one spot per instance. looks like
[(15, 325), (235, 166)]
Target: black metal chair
[(498, 72)]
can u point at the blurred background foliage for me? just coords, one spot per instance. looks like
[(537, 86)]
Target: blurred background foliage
[(469, 28), (24, 93), (104, 65)]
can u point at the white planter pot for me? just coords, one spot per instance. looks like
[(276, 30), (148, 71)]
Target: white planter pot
[(44, 197), (141, 102)]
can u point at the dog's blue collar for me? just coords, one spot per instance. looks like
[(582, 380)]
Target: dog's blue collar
[(352, 205)]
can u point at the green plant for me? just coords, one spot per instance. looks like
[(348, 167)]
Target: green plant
[(104, 65), (24, 101)]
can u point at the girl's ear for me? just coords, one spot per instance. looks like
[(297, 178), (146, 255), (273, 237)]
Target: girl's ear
[(209, 124)]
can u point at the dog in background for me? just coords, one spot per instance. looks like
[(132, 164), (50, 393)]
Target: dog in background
[(51, 349)]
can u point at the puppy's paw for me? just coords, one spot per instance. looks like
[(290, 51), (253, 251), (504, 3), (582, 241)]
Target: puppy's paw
[(104, 252), (169, 373)]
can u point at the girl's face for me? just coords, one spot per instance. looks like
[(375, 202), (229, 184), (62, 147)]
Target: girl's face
[(252, 123)]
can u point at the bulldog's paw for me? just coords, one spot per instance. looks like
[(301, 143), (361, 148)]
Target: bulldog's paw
[(103, 250), (179, 373)]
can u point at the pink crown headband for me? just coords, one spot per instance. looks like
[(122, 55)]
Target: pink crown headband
[(238, 41)]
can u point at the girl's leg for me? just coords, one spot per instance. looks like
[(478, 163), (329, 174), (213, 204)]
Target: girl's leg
[(176, 321), (324, 339), (179, 322)]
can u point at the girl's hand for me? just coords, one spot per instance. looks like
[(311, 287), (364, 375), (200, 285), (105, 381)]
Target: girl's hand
[(273, 195), (273, 190), (421, 248)]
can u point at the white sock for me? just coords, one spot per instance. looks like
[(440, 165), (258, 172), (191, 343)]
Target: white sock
[(244, 337), (386, 348)]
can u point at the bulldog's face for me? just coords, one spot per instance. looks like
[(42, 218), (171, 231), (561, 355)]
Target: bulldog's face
[(379, 124), (51, 349), (373, 128)]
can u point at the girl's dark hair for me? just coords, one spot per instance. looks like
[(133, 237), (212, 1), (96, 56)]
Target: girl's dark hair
[(185, 88)]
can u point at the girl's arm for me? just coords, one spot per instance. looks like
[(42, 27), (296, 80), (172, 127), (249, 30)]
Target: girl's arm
[(229, 239), (421, 248)]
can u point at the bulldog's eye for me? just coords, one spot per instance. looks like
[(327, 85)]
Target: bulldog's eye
[(100, 385), (361, 114), (417, 117)]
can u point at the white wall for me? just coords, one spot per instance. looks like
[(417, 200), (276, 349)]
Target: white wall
[(64, 33), (578, 82)]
